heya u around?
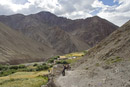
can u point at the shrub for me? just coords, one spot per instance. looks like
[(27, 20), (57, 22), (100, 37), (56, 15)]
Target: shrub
[(85, 52), (14, 67), (51, 61), (56, 57), (113, 60), (7, 72), (30, 70), (97, 64), (62, 62), (51, 66), (87, 68), (42, 67), (44, 64), (22, 66), (3, 67), (35, 64), (58, 62)]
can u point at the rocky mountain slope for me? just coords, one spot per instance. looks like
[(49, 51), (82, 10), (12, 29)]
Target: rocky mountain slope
[(16, 48), (92, 30), (105, 65), (62, 34)]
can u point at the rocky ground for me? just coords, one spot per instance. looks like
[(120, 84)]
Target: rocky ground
[(115, 76)]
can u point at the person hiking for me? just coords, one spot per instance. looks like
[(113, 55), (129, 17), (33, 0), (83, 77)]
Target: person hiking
[(68, 67), (63, 71)]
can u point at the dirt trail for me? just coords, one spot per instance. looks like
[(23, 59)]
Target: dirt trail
[(70, 80), (117, 76)]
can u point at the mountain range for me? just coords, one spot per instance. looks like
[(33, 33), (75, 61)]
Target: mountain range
[(58, 34)]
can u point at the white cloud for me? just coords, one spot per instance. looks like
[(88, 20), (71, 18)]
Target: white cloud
[(19, 1), (73, 9), (13, 6), (5, 10), (118, 14)]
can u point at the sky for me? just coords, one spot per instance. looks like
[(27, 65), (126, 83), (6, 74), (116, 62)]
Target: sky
[(115, 11)]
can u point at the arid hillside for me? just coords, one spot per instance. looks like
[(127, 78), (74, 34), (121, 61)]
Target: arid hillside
[(16, 48), (105, 65)]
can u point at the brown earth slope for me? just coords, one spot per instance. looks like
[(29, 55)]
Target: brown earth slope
[(16, 48), (105, 65)]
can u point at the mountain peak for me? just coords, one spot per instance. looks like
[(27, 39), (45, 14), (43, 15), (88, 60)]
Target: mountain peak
[(96, 16), (45, 13)]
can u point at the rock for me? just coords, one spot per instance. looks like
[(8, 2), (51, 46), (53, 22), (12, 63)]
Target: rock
[(128, 85)]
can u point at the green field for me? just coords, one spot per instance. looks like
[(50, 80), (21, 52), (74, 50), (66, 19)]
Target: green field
[(76, 54), (23, 76), (24, 79), (33, 75), (23, 82)]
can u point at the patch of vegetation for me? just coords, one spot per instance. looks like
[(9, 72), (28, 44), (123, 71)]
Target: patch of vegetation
[(106, 67), (85, 52), (87, 68), (97, 64), (24, 82), (23, 76), (62, 62), (22, 66), (44, 64), (67, 61), (35, 64), (51, 60), (3, 67), (113, 60), (7, 81), (55, 57), (76, 54), (14, 67), (51, 66), (70, 61), (29, 70), (7, 72), (42, 67)]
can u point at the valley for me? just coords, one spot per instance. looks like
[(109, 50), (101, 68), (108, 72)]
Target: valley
[(36, 49), (33, 74)]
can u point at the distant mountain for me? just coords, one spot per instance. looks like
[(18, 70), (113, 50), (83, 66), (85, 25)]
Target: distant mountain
[(16, 48), (92, 30), (62, 34), (106, 65)]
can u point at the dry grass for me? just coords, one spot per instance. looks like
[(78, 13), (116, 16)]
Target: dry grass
[(24, 82), (71, 61), (78, 54), (19, 75), (24, 79)]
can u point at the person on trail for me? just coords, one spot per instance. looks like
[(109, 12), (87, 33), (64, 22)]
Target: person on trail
[(68, 67), (63, 71)]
